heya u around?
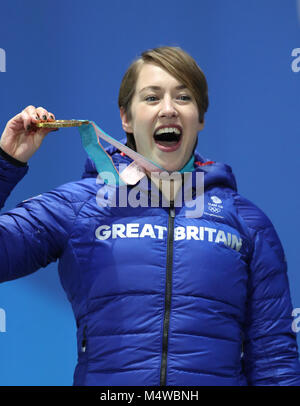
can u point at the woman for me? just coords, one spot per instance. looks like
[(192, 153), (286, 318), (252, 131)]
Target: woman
[(159, 298)]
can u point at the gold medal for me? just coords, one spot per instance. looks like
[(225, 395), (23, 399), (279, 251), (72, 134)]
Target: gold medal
[(61, 123)]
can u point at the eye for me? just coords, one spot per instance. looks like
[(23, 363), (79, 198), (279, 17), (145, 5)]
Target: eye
[(184, 97), (151, 98)]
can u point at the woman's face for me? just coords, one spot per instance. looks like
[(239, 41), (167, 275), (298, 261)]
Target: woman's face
[(164, 118)]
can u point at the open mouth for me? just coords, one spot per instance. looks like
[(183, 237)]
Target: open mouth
[(168, 138)]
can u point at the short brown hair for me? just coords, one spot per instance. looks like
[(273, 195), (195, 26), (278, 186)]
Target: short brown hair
[(177, 63)]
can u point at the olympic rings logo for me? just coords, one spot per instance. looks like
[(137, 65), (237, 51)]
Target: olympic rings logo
[(214, 209)]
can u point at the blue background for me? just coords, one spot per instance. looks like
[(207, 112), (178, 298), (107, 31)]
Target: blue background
[(70, 56)]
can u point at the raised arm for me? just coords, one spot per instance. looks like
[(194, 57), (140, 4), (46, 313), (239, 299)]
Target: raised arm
[(34, 233)]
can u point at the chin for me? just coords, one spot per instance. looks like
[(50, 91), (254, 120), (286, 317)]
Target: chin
[(170, 163), (170, 166)]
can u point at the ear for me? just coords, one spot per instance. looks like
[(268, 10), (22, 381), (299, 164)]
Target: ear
[(126, 124), (200, 126)]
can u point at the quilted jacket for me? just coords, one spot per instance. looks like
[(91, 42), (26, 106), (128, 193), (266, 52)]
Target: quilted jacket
[(160, 298)]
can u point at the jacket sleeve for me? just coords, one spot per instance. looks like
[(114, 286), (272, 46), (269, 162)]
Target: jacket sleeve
[(10, 175), (270, 345), (34, 233)]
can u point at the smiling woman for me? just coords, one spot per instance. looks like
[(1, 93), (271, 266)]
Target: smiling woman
[(169, 79), (163, 117), (160, 297)]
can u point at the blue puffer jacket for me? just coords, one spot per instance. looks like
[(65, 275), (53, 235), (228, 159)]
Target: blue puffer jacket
[(160, 298)]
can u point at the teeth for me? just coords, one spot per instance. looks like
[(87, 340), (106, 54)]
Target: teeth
[(168, 130)]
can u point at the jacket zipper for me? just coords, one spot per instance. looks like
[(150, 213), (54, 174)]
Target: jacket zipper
[(168, 295)]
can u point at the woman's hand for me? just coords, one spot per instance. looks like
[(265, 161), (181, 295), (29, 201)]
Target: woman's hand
[(21, 138)]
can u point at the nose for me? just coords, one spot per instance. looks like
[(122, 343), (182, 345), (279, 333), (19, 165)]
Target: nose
[(167, 108)]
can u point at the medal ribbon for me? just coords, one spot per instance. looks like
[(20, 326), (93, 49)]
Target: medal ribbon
[(90, 137)]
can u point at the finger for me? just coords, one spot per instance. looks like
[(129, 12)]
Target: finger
[(31, 111), (29, 108), (27, 120), (51, 116), (39, 113), (30, 118), (43, 113)]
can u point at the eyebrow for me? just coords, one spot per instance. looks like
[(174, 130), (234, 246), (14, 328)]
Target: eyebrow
[(180, 87)]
